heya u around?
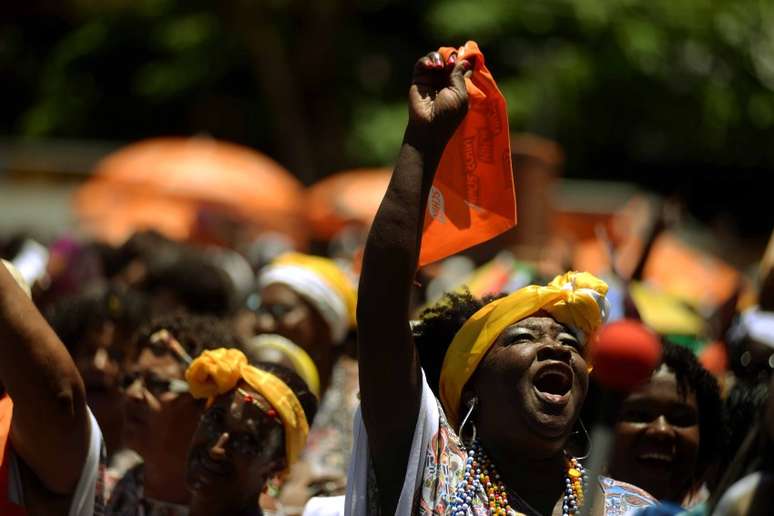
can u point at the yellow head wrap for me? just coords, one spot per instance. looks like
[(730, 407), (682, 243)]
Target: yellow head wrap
[(219, 371), (322, 282), (575, 299), (302, 362)]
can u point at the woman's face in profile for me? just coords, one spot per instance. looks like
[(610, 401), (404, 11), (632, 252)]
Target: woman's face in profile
[(531, 384)]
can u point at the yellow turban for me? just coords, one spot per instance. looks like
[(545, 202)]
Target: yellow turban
[(219, 371), (302, 362), (322, 282), (575, 299)]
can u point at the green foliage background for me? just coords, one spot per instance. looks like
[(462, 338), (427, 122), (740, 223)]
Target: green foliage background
[(677, 95)]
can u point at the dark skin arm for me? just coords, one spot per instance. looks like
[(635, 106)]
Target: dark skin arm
[(390, 377), (50, 427)]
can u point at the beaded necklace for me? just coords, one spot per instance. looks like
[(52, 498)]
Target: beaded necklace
[(480, 473)]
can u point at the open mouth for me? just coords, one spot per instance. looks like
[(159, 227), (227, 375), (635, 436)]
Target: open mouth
[(656, 459), (553, 382)]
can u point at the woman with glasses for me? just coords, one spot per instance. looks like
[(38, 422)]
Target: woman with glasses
[(161, 415), (253, 430), (310, 300)]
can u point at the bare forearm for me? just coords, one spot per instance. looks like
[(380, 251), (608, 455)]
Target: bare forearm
[(390, 374), (48, 394), (394, 241), (389, 367), (392, 252), (387, 356)]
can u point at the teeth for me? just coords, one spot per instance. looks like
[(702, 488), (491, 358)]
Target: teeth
[(657, 456)]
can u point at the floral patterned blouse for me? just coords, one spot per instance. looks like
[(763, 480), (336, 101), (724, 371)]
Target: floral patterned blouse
[(437, 466)]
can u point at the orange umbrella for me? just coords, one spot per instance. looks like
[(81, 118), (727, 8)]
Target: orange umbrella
[(170, 184), (350, 197)]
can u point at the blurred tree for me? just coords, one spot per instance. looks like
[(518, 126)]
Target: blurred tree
[(676, 95)]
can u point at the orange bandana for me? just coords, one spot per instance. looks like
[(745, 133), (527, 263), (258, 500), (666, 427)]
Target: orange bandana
[(473, 197)]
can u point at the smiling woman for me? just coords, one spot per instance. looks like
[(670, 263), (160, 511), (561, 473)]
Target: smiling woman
[(667, 432)]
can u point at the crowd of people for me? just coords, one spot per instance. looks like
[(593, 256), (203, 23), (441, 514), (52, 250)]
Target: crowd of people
[(160, 378)]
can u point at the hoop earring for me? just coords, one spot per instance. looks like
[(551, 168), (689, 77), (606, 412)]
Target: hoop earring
[(588, 440), (471, 406)]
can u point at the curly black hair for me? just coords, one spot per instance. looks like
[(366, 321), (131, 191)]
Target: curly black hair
[(72, 317), (199, 285), (195, 333), (740, 409), (692, 377), (437, 326)]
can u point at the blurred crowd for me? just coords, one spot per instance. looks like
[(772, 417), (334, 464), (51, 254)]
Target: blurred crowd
[(216, 372)]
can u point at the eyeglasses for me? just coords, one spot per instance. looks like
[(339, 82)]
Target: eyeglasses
[(276, 311), (155, 385)]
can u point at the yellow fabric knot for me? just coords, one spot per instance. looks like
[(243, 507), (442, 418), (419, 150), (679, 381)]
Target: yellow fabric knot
[(581, 301), (219, 371), (575, 299), (215, 372), (302, 362)]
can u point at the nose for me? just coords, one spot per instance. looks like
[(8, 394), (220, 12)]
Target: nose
[(554, 351), (218, 450), (101, 359), (136, 390), (660, 428), (265, 323)]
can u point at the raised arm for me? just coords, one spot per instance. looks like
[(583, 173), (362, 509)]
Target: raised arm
[(390, 387), (50, 426)]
